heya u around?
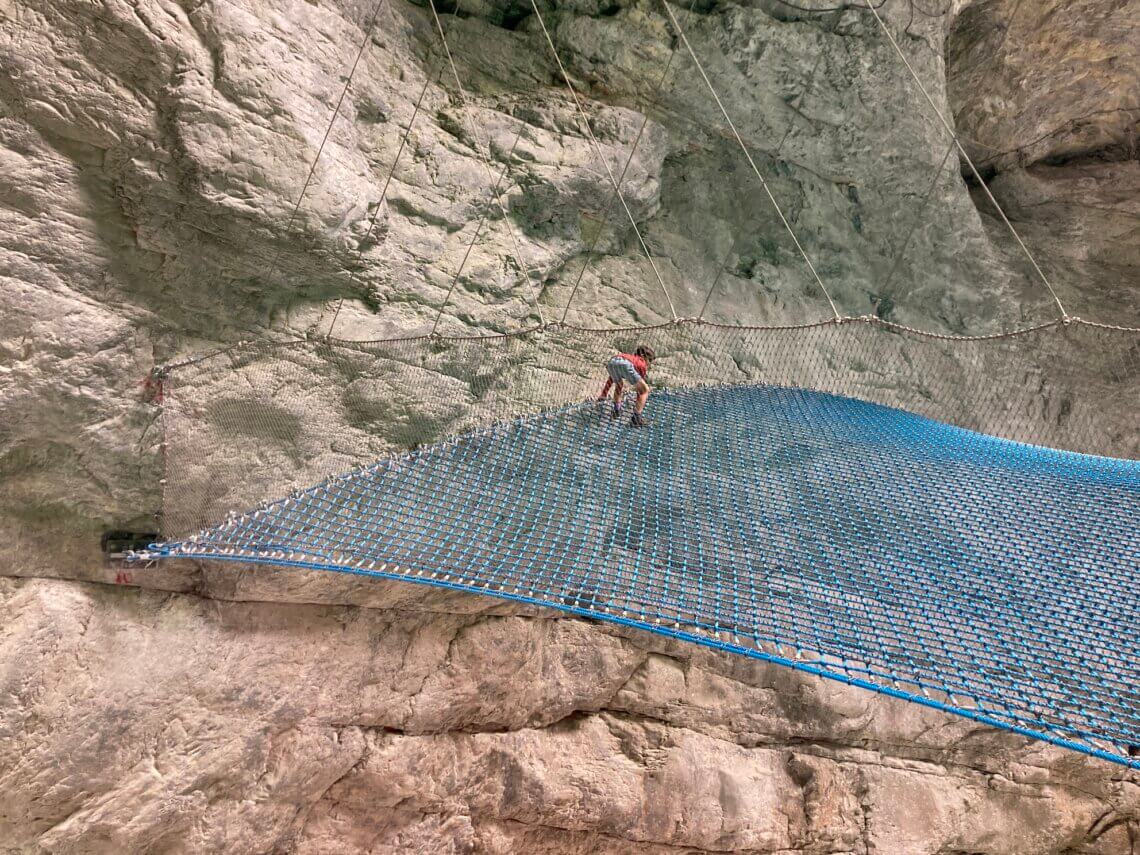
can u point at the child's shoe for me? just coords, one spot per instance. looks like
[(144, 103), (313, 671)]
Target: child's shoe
[(637, 420), (615, 413)]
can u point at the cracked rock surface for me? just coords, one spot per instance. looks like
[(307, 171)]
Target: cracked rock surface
[(142, 721), (151, 157)]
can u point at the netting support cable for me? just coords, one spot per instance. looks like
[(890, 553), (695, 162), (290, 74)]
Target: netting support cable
[(969, 161), (485, 157), (601, 156), (837, 16), (328, 131), (621, 178), (915, 219), (384, 191), (495, 191), (748, 155)]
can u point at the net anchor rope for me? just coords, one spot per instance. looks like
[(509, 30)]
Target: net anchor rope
[(748, 155), (328, 130), (486, 160), (495, 193), (602, 158), (621, 178), (974, 169), (915, 219), (384, 191), (723, 266)]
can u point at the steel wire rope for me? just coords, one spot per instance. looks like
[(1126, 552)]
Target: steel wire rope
[(495, 192), (384, 192), (974, 169), (748, 156), (779, 148), (194, 359), (872, 320), (601, 157), (621, 178), (485, 157), (901, 251), (328, 130), (309, 177)]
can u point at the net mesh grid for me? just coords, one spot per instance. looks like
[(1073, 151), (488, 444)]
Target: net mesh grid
[(810, 511)]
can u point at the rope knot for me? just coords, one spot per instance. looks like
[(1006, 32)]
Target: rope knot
[(154, 385)]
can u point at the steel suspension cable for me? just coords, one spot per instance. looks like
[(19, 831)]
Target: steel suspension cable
[(601, 157), (621, 178), (475, 235), (384, 191), (332, 121), (748, 156), (838, 15), (954, 136), (485, 157), (916, 219)]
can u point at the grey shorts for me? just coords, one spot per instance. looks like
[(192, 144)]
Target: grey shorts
[(622, 371)]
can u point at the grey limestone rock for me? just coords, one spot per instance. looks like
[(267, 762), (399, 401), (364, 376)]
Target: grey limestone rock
[(152, 156)]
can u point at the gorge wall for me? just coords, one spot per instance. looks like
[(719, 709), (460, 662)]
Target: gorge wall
[(153, 152)]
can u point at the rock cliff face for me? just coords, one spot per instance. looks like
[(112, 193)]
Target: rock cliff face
[(153, 152), (1047, 103)]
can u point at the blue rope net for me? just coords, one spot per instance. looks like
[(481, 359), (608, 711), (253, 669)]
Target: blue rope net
[(983, 576), (779, 513)]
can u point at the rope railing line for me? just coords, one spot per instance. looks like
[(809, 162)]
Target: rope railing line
[(1103, 326), (384, 191), (915, 219), (485, 156), (962, 151), (1023, 331), (654, 100), (680, 323), (601, 157), (328, 131), (748, 155)]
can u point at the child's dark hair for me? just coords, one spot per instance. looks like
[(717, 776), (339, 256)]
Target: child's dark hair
[(645, 352)]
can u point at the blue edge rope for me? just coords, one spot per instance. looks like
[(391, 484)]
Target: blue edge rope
[(886, 550)]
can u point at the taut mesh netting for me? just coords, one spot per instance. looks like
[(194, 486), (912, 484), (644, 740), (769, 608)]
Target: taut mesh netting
[(950, 520)]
